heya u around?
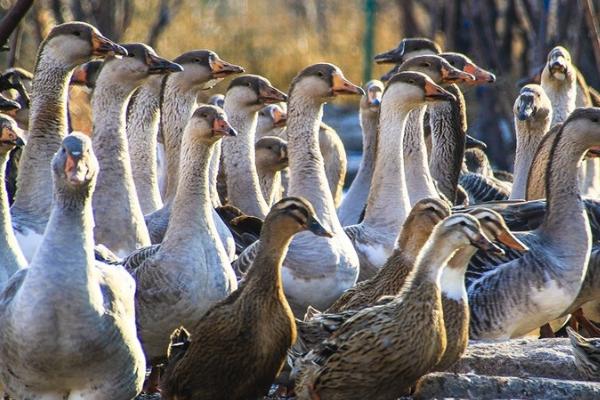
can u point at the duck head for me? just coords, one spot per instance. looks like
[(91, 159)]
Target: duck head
[(464, 230), (323, 81), (293, 215), (464, 63), (495, 228), (203, 69), (209, 124)]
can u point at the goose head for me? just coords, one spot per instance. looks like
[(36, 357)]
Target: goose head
[(464, 63), (74, 165), (532, 106), (271, 153), (495, 228), (86, 74), (203, 69), (437, 68), (321, 82), (583, 126), (271, 117), (411, 89), (407, 48), (558, 67), (74, 43), (252, 92), (131, 71), (216, 100), (292, 215), (462, 230), (209, 124), (371, 101), (11, 135)]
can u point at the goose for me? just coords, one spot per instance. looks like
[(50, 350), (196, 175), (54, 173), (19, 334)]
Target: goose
[(243, 100), (383, 350), (388, 202), (66, 46), (354, 201), (180, 279), (316, 270), (219, 363), (545, 281), (11, 256), (271, 121), (119, 221), (202, 69), (587, 354), (143, 114), (271, 159), (64, 292), (533, 115)]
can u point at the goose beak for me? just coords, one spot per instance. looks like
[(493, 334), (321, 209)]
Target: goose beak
[(159, 65), (75, 170), (221, 68), (480, 74), (11, 136), (269, 95), (315, 227), (85, 74), (483, 244), (525, 109), (434, 92), (374, 98), (507, 238), (102, 46), (279, 117), (80, 76), (456, 75), (393, 56), (558, 65), (8, 105), (221, 127), (341, 85), (471, 143), (593, 152)]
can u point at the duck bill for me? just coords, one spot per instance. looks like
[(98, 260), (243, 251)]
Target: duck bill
[(270, 95), (508, 239), (456, 76), (471, 143), (75, 170), (393, 56), (158, 65), (388, 75), (315, 227), (434, 92), (483, 244), (341, 85), (480, 74), (279, 117), (11, 136), (221, 68), (102, 46), (222, 128)]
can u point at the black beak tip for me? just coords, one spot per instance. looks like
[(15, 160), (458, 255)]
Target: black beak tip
[(20, 142), (232, 132)]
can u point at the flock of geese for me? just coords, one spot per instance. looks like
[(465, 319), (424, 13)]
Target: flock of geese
[(211, 244)]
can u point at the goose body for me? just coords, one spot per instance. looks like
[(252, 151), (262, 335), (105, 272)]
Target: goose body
[(64, 292), (334, 159)]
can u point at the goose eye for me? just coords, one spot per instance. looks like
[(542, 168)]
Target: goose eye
[(463, 223), (425, 64), (204, 115), (248, 84), (196, 60), (320, 74), (595, 119), (411, 81), (131, 55), (262, 114), (77, 33)]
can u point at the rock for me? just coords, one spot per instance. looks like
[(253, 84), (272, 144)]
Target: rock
[(470, 386)]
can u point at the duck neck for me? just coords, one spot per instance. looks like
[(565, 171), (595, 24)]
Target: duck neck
[(418, 178), (243, 188), (307, 168), (430, 262), (565, 209), (388, 204), (143, 115), (178, 102), (453, 274), (448, 134), (529, 137), (191, 224), (11, 257), (47, 127)]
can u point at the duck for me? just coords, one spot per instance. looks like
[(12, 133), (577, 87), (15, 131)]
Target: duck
[(218, 363), (143, 117), (377, 353), (202, 70), (454, 294), (316, 270), (545, 281), (355, 200), (533, 115), (119, 221), (271, 159), (388, 203), (64, 291), (587, 354), (66, 46), (181, 278), (11, 256), (244, 98)]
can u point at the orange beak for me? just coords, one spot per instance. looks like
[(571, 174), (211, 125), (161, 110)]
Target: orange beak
[(222, 128), (456, 75), (341, 85), (593, 152), (507, 238), (221, 68), (9, 136), (75, 173), (279, 117), (434, 92), (269, 95), (102, 46), (480, 74)]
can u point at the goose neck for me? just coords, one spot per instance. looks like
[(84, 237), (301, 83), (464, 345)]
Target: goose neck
[(529, 137), (563, 98)]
